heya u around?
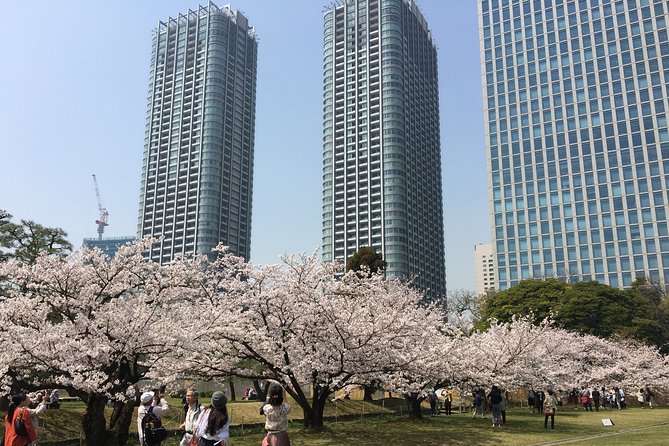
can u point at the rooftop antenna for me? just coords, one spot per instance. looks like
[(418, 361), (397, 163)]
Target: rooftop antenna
[(102, 221)]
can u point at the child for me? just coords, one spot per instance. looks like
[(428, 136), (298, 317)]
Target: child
[(276, 414)]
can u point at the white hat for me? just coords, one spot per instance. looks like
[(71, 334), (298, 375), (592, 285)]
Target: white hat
[(146, 397)]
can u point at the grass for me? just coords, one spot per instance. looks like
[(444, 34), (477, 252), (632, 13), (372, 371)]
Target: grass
[(642, 427), (522, 429)]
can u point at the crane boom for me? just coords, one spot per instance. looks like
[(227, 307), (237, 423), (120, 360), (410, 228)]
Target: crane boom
[(102, 221)]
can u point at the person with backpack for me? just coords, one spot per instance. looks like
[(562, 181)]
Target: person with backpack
[(213, 425), (192, 414), (19, 430), (149, 426)]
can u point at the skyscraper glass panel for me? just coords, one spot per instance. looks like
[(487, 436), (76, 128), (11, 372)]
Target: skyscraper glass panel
[(381, 148), (197, 172), (575, 99)]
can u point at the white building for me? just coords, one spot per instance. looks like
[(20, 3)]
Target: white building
[(485, 268)]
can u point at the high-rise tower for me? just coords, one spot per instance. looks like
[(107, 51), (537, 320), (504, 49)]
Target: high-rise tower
[(197, 172), (576, 107), (381, 148)]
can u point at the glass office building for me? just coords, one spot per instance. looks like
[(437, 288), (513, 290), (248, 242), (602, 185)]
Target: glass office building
[(381, 148), (108, 245), (576, 103), (197, 172)]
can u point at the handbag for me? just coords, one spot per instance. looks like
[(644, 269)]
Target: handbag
[(20, 426), (550, 411)]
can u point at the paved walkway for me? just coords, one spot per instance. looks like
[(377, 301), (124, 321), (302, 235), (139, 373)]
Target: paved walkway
[(607, 434)]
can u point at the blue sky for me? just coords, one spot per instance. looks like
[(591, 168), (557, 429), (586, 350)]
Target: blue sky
[(73, 88)]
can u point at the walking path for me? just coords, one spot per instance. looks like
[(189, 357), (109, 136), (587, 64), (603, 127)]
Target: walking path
[(607, 434)]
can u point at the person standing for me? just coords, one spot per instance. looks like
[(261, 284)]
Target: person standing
[(495, 397), (649, 397), (17, 410), (550, 406), (432, 398), (36, 412), (596, 398), (641, 397), (530, 400), (448, 401), (191, 417), (539, 399), (585, 398), (150, 402), (276, 418), (213, 425)]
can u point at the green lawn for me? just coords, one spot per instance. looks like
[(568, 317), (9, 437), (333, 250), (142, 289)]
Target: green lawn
[(633, 426)]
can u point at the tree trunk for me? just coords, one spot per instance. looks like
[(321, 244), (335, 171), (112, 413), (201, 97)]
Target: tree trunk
[(260, 390), (413, 406), (233, 397), (121, 419), (94, 424), (313, 414), (368, 392)]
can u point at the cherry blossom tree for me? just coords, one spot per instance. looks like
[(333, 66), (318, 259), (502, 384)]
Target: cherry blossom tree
[(92, 326), (300, 325)]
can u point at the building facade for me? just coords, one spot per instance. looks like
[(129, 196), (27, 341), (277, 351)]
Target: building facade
[(108, 245), (381, 147), (197, 172), (576, 100), (485, 268)]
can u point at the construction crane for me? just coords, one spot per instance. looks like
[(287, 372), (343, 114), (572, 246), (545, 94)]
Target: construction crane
[(102, 221)]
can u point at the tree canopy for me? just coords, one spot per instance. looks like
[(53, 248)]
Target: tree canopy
[(366, 258), (585, 307), (27, 240), (97, 327)]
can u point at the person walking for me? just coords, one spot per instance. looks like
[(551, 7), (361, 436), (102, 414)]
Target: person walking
[(276, 412), (213, 425), (495, 398), (550, 406), (192, 414), (17, 411), (479, 403)]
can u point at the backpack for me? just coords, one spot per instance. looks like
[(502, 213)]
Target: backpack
[(153, 429), (495, 397)]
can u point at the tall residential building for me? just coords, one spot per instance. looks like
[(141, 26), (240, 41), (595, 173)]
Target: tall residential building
[(197, 173), (576, 107), (485, 268), (381, 148)]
